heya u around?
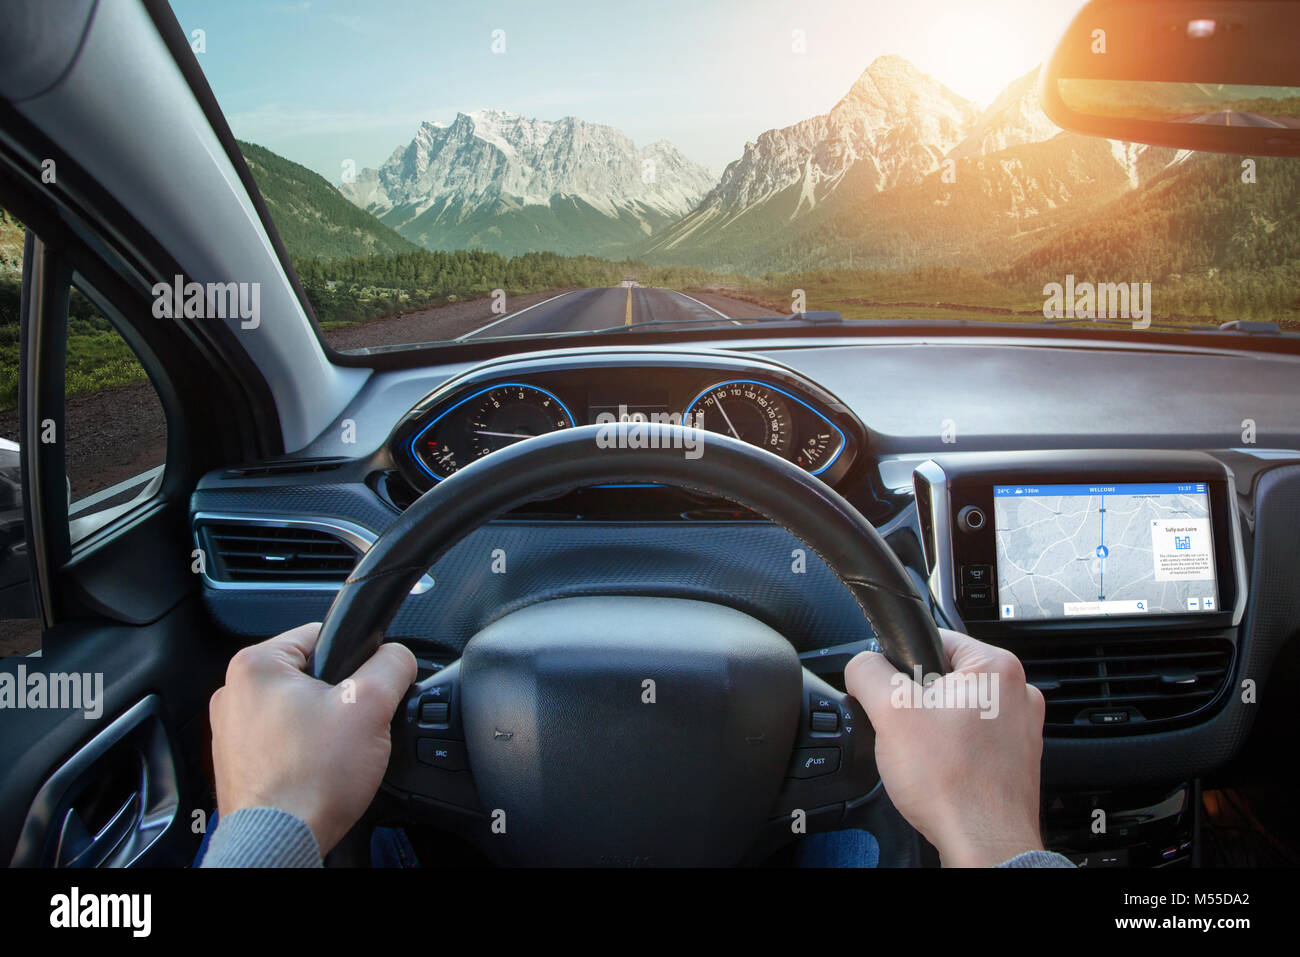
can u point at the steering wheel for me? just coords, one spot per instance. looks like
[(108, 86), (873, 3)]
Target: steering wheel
[(615, 730)]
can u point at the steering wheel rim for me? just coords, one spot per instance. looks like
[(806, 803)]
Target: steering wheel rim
[(570, 459)]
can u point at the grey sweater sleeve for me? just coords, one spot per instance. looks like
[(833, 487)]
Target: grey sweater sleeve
[(262, 837), (1038, 859)]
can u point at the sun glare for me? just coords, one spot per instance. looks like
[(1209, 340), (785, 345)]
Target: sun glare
[(977, 55)]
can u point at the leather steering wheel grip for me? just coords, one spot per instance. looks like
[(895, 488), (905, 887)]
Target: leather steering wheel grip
[(570, 459)]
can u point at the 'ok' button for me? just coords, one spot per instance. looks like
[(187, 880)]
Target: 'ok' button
[(814, 762)]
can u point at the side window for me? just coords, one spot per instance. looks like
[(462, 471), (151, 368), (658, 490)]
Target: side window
[(114, 441), (116, 431), (20, 632)]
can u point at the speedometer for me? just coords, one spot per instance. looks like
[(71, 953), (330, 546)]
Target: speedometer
[(749, 411), (484, 422)]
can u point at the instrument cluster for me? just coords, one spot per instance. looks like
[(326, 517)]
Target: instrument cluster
[(500, 404)]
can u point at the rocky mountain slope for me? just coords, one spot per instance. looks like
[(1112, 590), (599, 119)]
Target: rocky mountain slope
[(499, 181)]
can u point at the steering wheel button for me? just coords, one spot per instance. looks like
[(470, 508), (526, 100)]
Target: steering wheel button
[(434, 712), (825, 721), (814, 762), (821, 702), (447, 755)]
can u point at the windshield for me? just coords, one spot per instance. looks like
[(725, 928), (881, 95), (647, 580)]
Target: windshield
[(455, 172)]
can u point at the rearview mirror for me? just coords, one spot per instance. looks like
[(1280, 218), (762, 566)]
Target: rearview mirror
[(1217, 75)]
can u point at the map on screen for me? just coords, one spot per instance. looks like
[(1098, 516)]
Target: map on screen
[(1075, 551)]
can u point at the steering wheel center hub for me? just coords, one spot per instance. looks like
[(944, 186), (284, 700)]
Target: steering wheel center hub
[(616, 730)]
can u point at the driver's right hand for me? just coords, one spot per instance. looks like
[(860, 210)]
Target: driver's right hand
[(966, 777)]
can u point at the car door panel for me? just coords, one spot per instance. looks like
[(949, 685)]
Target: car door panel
[(172, 665)]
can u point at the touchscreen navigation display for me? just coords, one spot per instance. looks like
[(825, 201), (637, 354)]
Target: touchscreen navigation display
[(1083, 551)]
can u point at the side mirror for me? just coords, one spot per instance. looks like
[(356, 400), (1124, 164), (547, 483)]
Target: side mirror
[(1215, 75)]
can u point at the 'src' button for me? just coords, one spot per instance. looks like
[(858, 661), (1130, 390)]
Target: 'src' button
[(814, 762), (446, 755)]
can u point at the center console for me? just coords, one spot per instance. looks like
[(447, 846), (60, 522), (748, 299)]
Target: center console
[(1025, 544), (1118, 579)]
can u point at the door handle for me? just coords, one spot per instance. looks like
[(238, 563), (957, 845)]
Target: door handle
[(77, 848)]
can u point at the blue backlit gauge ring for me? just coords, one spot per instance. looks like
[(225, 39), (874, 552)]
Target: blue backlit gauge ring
[(481, 423), (763, 415)]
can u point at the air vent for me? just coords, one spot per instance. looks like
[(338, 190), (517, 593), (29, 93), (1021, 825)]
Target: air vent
[(1117, 684), (284, 467), (274, 555)]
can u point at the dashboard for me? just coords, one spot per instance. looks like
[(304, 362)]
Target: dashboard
[(1140, 564)]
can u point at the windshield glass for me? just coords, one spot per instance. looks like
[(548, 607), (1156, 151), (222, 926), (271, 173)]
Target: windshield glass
[(465, 171)]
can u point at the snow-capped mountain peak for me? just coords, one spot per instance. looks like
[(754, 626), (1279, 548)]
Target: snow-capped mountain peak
[(1014, 119), (892, 127), (493, 160)]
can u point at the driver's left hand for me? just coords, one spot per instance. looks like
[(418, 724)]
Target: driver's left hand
[(282, 739)]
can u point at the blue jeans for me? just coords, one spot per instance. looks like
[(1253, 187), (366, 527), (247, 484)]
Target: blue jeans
[(852, 848), (390, 847)]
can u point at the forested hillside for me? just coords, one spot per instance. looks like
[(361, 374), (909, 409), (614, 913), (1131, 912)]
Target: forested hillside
[(312, 216), (1207, 241)]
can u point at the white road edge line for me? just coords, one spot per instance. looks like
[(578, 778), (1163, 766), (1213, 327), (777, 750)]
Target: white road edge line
[(734, 322), (519, 312)]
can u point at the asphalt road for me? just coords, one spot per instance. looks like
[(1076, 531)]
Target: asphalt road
[(587, 309), (1237, 118)]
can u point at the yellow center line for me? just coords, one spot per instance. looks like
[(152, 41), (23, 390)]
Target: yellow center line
[(627, 314)]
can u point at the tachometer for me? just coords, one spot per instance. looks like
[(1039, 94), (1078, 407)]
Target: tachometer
[(749, 411), (484, 422)]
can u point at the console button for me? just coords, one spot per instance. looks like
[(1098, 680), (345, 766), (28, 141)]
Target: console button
[(1108, 717), (434, 712), (976, 574), (825, 721), (446, 755), (978, 594), (1115, 858), (821, 702), (971, 519), (814, 762)]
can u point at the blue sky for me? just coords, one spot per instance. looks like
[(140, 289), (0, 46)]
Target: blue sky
[(324, 81)]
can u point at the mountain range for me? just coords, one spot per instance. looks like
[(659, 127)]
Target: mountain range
[(893, 127), (898, 162), (917, 176), (504, 182), (901, 172)]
